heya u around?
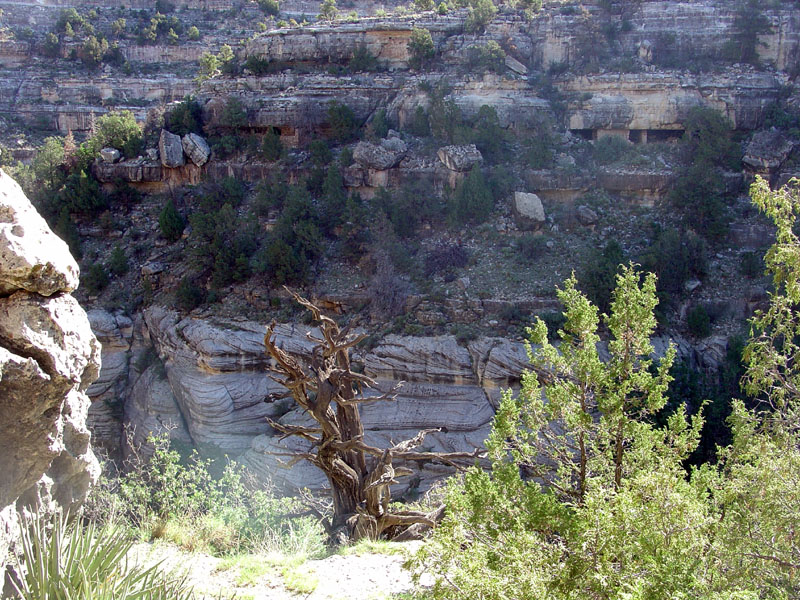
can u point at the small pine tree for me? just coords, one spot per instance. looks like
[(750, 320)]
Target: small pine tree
[(420, 48), (171, 222), (472, 200)]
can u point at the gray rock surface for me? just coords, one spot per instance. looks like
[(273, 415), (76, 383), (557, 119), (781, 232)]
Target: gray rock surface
[(767, 151), (110, 155), (528, 210), (460, 158), (586, 216), (170, 149), (196, 148), (32, 257), (380, 156), (48, 358)]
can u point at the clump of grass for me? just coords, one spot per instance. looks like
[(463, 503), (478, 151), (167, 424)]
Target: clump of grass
[(366, 546), (70, 561), (299, 579)]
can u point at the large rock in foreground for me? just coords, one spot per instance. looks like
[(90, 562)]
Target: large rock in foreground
[(32, 257), (48, 358)]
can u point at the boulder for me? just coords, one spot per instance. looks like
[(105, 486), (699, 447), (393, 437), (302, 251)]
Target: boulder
[(110, 155), (767, 151), (196, 148), (32, 257), (170, 148), (516, 66), (586, 216), (48, 358), (460, 158), (380, 156), (528, 210)]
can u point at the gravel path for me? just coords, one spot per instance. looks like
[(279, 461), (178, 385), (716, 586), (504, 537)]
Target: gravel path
[(339, 577)]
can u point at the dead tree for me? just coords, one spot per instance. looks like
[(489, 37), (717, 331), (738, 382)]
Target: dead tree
[(360, 475)]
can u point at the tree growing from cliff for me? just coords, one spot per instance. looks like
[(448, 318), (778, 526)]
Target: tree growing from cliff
[(360, 475), (420, 47)]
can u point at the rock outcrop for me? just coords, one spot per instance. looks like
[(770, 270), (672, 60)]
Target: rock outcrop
[(382, 156), (767, 151), (170, 148), (460, 158), (48, 358)]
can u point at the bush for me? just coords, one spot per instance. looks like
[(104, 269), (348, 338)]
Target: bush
[(328, 10), (611, 149), (270, 7), (118, 262), (234, 115), (418, 124), (94, 279), (488, 57), (599, 276), (320, 152), (171, 222), (342, 121), (444, 259), (270, 193), (189, 295), (699, 191), (481, 12), (751, 265), (185, 117), (117, 130), (209, 504), (472, 201), (464, 334), (699, 322), (193, 33), (362, 60), (530, 247), (420, 48), (488, 136), (81, 194), (379, 126), (271, 146), (675, 257)]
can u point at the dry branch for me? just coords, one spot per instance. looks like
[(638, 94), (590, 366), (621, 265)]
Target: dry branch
[(360, 475)]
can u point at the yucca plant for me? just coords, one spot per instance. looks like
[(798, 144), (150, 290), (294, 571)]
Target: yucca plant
[(64, 560)]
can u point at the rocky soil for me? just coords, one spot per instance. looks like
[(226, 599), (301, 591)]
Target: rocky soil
[(363, 576)]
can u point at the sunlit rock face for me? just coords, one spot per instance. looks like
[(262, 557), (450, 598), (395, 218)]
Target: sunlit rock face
[(48, 358)]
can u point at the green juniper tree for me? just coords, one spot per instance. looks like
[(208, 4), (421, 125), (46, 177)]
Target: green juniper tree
[(586, 498)]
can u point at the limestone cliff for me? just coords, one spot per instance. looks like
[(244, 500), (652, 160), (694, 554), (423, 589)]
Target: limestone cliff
[(204, 381), (48, 358)]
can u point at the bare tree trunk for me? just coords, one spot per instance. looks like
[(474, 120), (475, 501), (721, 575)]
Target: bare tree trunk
[(360, 475)]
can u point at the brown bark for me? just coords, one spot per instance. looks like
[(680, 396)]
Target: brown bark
[(360, 475)]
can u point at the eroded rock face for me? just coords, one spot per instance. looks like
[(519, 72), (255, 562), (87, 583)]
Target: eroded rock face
[(48, 358), (32, 257)]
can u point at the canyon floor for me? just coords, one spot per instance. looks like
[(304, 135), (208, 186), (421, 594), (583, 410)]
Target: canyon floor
[(367, 573)]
